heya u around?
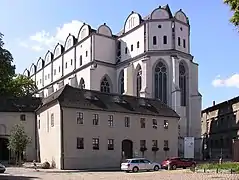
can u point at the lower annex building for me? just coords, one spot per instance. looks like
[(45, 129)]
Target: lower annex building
[(80, 129), (220, 129)]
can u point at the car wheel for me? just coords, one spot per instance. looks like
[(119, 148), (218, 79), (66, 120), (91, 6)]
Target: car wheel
[(135, 169), (156, 168), (174, 167)]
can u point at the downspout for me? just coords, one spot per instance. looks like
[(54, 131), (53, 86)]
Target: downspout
[(36, 138), (62, 139)]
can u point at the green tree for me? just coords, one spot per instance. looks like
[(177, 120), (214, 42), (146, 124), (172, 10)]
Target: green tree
[(12, 84), (234, 5), (18, 141), (21, 85), (7, 70)]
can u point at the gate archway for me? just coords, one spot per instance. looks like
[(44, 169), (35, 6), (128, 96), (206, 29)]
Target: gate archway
[(127, 149)]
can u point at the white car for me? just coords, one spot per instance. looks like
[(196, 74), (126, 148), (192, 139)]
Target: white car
[(2, 168), (139, 164)]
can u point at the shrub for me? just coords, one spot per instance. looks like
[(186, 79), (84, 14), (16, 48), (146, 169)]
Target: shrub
[(46, 165), (225, 166)]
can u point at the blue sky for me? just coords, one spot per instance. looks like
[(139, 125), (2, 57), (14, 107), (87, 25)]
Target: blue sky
[(32, 27)]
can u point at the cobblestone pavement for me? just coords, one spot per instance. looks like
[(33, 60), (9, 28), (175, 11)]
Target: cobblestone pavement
[(30, 174)]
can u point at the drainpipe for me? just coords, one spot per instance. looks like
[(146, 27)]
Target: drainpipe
[(62, 139)]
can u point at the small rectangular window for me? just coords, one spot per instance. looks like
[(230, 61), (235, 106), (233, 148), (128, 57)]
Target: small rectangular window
[(165, 143), (142, 122), (66, 65), (48, 76), (80, 143), (111, 121), (59, 68), (132, 47), (95, 119), (45, 77), (165, 124), (154, 40), (23, 117), (52, 120), (79, 118), (138, 44), (184, 43), (54, 71), (179, 41), (165, 40), (86, 53), (40, 81), (155, 123), (80, 60), (155, 143), (127, 122), (71, 62), (96, 143), (142, 143), (126, 50), (110, 144)]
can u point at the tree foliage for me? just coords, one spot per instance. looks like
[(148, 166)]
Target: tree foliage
[(21, 86), (18, 140), (234, 5), (12, 84)]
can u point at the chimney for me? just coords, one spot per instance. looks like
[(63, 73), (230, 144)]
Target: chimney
[(213, 103)]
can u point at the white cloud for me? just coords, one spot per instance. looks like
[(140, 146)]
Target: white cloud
[(37, 48), (232, 81), (44, 40)]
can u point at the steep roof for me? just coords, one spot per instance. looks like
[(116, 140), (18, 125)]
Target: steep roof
[(19, 104), (71, 97)]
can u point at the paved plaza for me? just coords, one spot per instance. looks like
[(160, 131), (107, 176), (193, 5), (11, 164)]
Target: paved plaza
[(30, 174)]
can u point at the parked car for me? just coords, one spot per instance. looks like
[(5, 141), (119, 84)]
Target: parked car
[(2, 168), (175, 163), (139, 164)]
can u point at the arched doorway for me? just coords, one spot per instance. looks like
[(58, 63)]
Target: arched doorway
[(127, 149), (4, 152)]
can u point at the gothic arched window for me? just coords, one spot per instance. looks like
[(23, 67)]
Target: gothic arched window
[(139, 81), (182, 83), (82, 83), (105, 85), (160, 82), (121, 82)]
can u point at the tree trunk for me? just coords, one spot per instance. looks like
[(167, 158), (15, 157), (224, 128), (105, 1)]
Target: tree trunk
[(20, 158)]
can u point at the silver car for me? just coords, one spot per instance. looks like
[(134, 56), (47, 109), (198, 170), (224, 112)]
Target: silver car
[(2, 168), (139, 164)]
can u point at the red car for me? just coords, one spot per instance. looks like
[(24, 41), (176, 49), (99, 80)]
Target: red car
[(178, 163)]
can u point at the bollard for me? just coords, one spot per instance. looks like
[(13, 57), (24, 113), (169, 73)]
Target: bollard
[(231, 171), (204, 170), (217, 170), (168, 166)]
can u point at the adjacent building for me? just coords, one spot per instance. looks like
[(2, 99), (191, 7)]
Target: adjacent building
[(18, 111), (81, 129), (150, 57), (219, 128)]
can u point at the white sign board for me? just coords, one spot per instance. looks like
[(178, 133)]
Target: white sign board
[(188, 147)]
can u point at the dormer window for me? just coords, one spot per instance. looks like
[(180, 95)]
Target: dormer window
[(132, 47), (126, 50)]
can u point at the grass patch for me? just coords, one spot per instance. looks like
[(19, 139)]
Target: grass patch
[(224, 166)]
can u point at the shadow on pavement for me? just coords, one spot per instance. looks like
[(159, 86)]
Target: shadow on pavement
[(78, 171), (10, 177)]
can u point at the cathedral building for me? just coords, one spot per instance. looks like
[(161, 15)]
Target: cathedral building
[(150, 57)]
